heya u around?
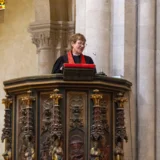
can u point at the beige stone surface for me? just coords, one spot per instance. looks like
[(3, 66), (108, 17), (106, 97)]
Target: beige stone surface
[(158, 81), (81, 16), (117, 34), (42, 10), (146, 108), (18, 56), (130, 62), (98, 15), (146, 104)]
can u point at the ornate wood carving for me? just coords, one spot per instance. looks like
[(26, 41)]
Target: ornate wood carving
[(76, 107), (104, 143), (26, 133), (103, 105), (52, 139), (56, 128), (120, 129), (76, 127), (45, 137), (7, 130), (97, 127)]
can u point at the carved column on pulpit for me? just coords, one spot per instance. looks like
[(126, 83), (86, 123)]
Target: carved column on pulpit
[(56, 132), (120, 129), (7, 130), (51, 132), (97, 127), (26, 128)]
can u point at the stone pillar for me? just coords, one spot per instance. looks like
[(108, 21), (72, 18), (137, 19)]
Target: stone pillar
[(51, 42), (72, 10), (42, 10), (42, 37), (130, 11), (146, 80), (81, 16), (59, 10), (117, 48), (158, 81), (98, 33)]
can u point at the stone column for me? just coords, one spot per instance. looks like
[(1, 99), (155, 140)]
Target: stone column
[(98, 33), (81, 16), (146, 80), (158, 81), (117, 48), (42, 37), (42, 10), (51, 42), (130, 13)]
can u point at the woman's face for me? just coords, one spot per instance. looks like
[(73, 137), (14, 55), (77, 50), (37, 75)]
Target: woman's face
[(78, 47)]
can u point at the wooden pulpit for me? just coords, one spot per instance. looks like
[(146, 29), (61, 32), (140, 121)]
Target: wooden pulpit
[(51, 117)]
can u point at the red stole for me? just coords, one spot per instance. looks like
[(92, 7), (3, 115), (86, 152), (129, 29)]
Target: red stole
[(71, 60)]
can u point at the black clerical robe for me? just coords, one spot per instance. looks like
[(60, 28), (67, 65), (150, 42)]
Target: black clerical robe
[(58, 66)]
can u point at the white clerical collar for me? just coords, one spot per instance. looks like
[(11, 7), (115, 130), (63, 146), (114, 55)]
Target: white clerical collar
[(74, 54)]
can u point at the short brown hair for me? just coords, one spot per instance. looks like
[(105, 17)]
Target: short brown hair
[(75, 37)]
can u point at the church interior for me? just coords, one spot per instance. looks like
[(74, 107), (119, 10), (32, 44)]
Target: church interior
[(122, 38)]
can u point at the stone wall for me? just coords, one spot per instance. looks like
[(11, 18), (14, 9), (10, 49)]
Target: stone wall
[(18, 56)]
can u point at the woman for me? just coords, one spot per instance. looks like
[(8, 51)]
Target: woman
[(75, 55)]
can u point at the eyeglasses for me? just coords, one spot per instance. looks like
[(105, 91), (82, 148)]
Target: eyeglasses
[(81, 44)]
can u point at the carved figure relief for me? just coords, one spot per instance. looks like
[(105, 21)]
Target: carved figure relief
[(77, 151), (119, 151), (46, 122), (56, 150), (7, 130), (100, 149), (95, 151), (26, 127), (51, 136), (29, 152), (76, 128), (76, 108)]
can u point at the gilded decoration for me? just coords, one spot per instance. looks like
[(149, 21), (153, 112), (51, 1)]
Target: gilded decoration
[(26, 127), (120, 129), (100, 150), (96, 97), (56, 97), (2, 4), (7, 130), (52, 132)]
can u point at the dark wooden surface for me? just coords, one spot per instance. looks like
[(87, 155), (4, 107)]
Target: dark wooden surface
[(42, 129)]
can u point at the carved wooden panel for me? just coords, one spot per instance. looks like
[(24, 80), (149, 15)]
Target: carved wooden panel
[(76, 125), (25, 127), (51, 128), (101, 127), (106, 113), (7, 130), (45, 121)]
